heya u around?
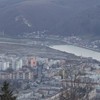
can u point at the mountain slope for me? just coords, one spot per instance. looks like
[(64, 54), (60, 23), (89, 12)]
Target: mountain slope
[(64, 17)]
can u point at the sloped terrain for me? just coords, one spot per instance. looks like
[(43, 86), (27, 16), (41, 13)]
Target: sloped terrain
[(63, 17)]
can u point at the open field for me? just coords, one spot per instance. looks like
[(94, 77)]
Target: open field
[(36, 50)]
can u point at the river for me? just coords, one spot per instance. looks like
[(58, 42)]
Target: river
[(79, 51)]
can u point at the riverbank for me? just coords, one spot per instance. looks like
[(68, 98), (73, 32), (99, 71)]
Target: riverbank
[(85, 47), (78, 51)]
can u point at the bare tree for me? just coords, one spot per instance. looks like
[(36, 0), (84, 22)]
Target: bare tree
[(74, 88)]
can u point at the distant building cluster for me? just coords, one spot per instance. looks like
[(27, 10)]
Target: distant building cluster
[(22, 74), (38, 78), (23, 68), (16, 63)]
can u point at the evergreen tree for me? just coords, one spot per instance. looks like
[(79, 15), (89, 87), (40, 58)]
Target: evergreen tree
[(6, 92)]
